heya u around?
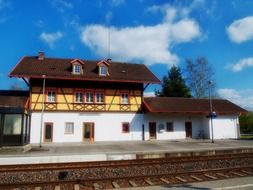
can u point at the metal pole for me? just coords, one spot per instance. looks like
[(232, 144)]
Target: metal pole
[(42, 109), (211, 108)]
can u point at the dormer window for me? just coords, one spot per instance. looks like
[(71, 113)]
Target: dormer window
[(77, 66), (77, 69), (103, 70)]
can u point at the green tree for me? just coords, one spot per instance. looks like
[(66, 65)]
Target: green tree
[(246, 123), (198, 74), (174, 85)]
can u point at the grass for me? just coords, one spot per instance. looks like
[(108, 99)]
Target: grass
[(246, 137)]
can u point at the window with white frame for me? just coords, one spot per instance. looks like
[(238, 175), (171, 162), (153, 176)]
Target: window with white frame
[(69, 128), (51, 96), (89, 97), (124, 98), (78, 97), (77, 69), (100, 97), (103, 70)]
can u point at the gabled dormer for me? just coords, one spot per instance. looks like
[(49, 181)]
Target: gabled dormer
[(103, 67), (77, 66)]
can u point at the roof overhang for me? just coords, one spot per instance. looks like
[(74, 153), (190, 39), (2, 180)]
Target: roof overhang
[(149, 109), (84, 79)]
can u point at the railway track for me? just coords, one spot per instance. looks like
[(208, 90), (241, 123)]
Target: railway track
[(126, 173)]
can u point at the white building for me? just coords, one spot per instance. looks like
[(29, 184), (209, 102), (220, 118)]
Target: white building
[(73, 100)]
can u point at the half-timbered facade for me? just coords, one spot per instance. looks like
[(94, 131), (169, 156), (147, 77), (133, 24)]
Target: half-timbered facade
[(74, 100)]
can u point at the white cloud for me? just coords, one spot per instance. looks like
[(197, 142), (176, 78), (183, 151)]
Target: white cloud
[(149, 94), (51, 38), (228, 93), (241, 64), (148, 44), (170, 13), (241, 30), (243, 98)]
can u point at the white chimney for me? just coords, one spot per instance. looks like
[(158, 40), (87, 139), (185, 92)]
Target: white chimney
[(41, 55)]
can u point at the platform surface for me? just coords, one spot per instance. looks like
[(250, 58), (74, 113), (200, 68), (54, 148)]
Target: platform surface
[(98, 151)]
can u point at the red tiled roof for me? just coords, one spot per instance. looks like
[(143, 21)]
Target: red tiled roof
[(56, 68), (190, 105), (13, 98)]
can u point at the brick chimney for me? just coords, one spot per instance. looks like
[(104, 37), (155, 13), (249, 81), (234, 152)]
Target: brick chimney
[(109, 60), (41, 55)]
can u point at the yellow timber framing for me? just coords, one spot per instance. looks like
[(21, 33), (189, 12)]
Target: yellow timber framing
[(65, 100)]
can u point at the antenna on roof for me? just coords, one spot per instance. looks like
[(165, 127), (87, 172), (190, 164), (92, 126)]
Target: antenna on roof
[(108, 19), (109, 39)]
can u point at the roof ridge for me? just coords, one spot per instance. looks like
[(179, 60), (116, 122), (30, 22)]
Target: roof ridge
[(91, 60), (188, 98)]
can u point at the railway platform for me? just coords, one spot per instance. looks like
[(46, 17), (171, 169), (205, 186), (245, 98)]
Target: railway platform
[(102, 151)]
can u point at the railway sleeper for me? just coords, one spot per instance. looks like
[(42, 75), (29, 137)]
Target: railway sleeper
[(96, 186), (210, 176), (165, 180), (222, 175), (132, 183), (238, 174), (181, 179), (247, 172), (115, 184), (149, 182), (196, 178), (76, 187)]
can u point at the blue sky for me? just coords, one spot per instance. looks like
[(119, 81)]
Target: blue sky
[(154, 32)]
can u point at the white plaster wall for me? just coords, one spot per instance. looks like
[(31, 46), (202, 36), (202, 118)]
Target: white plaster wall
[(225, 127), (108, 126), (179, 125), (206, 128)]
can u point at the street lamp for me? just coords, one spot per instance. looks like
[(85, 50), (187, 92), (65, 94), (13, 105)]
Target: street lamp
[(210, 83), (42, 109)]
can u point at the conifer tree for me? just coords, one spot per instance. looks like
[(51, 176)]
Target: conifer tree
[(174, 85)]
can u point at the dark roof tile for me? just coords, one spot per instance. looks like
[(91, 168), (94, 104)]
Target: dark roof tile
[(190, 105), (57, 68)]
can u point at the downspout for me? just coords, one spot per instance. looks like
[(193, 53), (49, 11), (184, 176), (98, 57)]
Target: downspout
[(42, 109)]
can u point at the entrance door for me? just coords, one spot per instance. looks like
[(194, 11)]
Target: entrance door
[(152, 130), (188, 129), (88, 132), (48, 135)]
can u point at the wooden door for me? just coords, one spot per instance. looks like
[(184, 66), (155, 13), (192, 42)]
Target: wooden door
[(48, 135), (188, 129), (88, 132), (152, 130)]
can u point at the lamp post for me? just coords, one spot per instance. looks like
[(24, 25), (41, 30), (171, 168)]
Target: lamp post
[(210, 83), (42, 109)]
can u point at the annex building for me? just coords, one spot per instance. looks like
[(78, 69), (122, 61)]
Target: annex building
[(74, 100)]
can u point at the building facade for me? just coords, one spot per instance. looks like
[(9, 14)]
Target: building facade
[(73, 100)]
